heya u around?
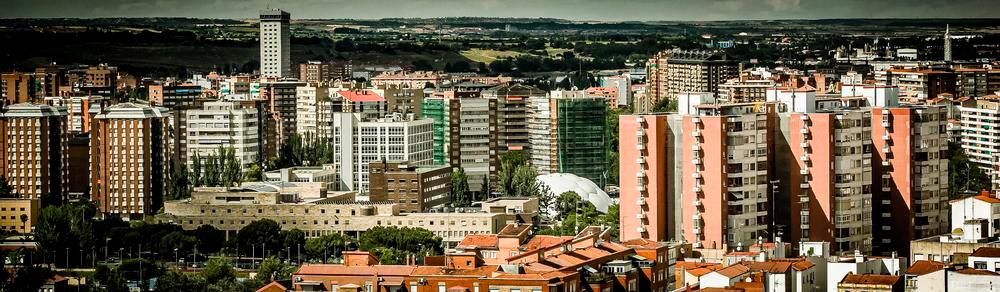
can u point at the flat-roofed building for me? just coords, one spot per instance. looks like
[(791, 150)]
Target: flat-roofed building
[(415, 188), (19, 215), (232, 209)]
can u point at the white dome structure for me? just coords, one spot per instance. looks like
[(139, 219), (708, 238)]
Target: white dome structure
[(559, 183)]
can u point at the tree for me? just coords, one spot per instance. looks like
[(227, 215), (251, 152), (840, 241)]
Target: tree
[(273, 269), (293, 240), (665, 105), (6, 191), (264, 232), (327, 246), (460, 195), (210, 239), (179, 183), (218, 270), (175, 281), (196, 171), (964, 176), (388, 243), (254, 174), (566, 203), (180, 241)]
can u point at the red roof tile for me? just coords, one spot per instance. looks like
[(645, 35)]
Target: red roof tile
[(482, 241), (971, 271), (734, 271), (986, 252), (924, 267), (334, 270), (361, 95)]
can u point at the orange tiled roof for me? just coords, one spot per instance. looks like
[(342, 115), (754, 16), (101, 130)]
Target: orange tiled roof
[(986, 252), (484, 241), (544, 241), (770, 266), (335, 270), (361, 95), (482, 271), (733, 271), (971, 271), (698, 272), (988, 199), (924, 267), (513, 229)]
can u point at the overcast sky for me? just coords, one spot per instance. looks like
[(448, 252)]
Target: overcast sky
[(566, 9)]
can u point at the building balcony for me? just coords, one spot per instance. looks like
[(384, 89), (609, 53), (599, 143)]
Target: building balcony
[(804, 144), (696, 229), (641, 187), (696, 147), (804, 117), (640, 174), (886, 189), (696, 203), (696, 120), (640, 121), (640, 133), (640, 229), (640, 146), (640, 215), (886, 124), (804, 130), (696, 189), (640, 201), (804, 157), (886, 149), (886, 175), (886, 137), (640, 160), (804, 171), (804, 185), (696, 175), (696, 161), (696, 133), (886, 162)]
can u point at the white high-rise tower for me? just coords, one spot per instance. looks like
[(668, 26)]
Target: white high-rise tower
[(274, 43), (947, 43)]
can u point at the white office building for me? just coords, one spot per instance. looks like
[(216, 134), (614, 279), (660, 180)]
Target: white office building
[(313, 111), (274, 43), (358, 142), (223, 123)]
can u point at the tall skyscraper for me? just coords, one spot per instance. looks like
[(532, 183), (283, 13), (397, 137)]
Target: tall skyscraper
[(34, 146), (128, 157), (947, 43), (274, 43)]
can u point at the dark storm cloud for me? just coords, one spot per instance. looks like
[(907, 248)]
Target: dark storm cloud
[(568, 9)]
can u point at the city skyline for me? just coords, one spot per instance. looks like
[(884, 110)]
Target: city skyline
[(645, 10)]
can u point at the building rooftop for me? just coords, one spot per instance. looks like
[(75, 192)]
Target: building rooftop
[(361, 95), (924, 267), (870, 279), (986, 252), (484, 241)]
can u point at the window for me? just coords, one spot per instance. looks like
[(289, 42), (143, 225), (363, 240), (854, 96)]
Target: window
[(441, 287), (980, 265)]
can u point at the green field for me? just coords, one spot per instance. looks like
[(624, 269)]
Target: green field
[(487, 55)]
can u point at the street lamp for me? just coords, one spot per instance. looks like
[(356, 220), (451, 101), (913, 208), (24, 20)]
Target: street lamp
[(177, 257)]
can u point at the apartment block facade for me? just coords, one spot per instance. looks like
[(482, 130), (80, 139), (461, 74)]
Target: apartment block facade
[(675, 71), (981, 135), (128, 151), (465, 135), (34, 144), (223, 124)]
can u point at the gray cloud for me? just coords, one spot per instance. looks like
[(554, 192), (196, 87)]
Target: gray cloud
[(568, 9)]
